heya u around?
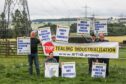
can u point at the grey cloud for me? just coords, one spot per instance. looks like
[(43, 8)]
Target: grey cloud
[(69, 8)]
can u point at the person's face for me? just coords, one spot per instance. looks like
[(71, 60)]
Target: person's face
[(93, 37), (54, 38), (101, 37), (32, 34), (51, 55)]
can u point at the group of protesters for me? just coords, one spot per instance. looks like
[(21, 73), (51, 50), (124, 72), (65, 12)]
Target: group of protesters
[(33, 57)]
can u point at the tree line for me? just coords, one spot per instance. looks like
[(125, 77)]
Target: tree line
[(20, 25), (114, 29)]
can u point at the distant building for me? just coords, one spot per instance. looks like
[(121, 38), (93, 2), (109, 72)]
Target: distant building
[(113, 20), (122, 20)]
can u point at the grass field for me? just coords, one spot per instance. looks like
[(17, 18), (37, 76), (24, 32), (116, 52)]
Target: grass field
[(14, 70), (116, 38), (119, 39)]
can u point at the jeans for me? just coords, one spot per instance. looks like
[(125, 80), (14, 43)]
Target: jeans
[(31, 58)]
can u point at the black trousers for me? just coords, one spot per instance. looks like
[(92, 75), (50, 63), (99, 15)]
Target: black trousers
[(105, 60), (57, 58), (90, 60)]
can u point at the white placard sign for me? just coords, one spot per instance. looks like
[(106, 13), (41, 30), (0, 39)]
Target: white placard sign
[(51, 70), (23, 46), (44, 35), (100, 26), (68, 69), (83, 27), (98, 70), (62, 34)]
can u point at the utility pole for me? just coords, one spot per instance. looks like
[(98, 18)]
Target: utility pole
[(93, 22), (86, 11)]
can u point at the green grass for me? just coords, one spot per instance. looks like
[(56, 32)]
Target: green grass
[(14, 70), (122, 53)]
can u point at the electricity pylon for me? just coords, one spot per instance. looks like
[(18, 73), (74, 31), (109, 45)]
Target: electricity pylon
[(10, 6)]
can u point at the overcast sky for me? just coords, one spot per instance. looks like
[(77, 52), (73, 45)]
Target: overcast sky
[(73, 8)]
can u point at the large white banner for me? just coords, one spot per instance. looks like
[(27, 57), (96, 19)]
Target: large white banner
[(44, 35), (23, 46), (88, 50), (68, 69), (98, 70), (100, 26), (51, 70), (83, 27), (62, 34)]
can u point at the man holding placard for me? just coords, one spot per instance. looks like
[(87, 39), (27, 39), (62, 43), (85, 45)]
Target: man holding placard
[(103, 60), (34, 54), (91, 60), (51, 64)]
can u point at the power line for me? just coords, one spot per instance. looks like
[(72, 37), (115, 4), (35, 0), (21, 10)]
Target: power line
[(53, 7)]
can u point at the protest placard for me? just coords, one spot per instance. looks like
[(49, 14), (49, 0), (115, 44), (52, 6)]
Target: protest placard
[(100, 26), (51, 70), (44, 35), (83, 27), (68, 69), (98, 70), (23, 46), (62, 34)]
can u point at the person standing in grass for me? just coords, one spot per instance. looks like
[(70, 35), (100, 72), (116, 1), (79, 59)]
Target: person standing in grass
[(103, 60), (91, 60), (34, 54)]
